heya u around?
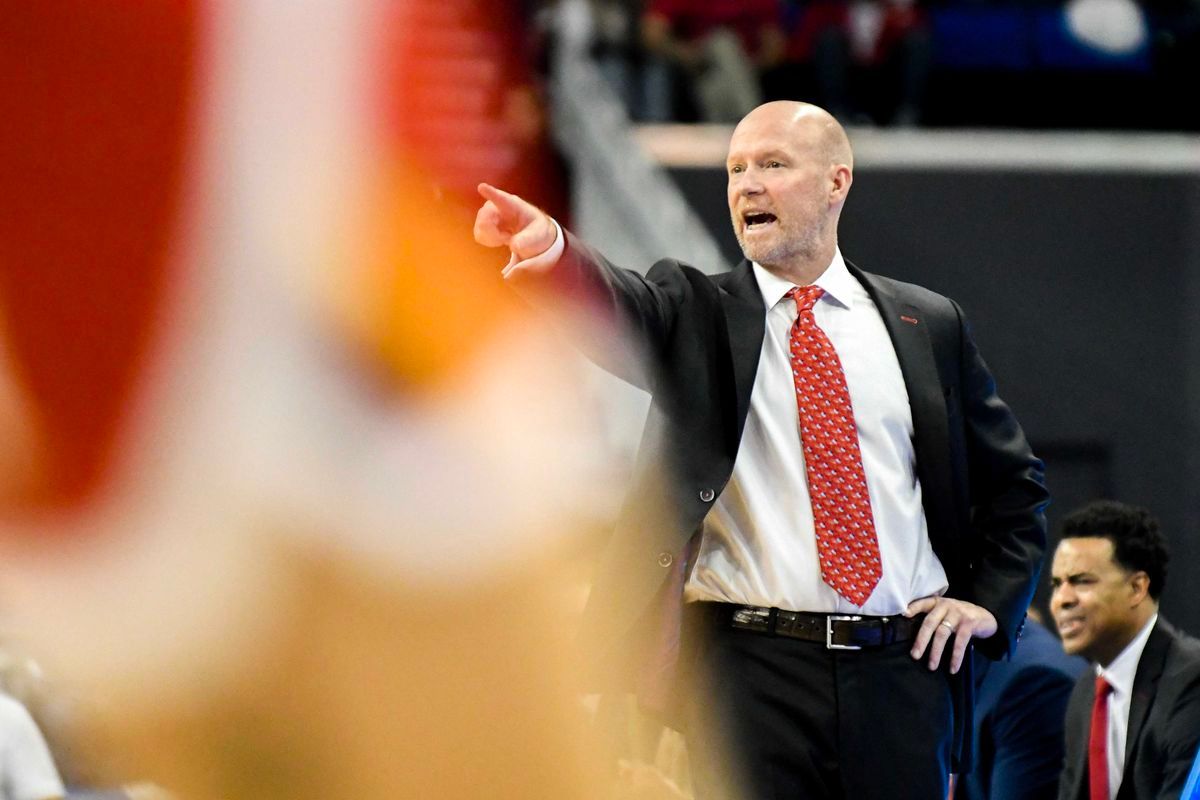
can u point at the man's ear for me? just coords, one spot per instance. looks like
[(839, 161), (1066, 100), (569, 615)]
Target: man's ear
[(841, 177), (1140, 583)]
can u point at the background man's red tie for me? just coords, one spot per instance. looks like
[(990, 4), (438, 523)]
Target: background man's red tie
[(846, 543), (1098, 743)]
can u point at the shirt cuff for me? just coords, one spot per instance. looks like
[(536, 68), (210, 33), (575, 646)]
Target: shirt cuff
[(543, 260)]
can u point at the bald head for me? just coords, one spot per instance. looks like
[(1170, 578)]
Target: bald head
[(806, 122), (789, 172)]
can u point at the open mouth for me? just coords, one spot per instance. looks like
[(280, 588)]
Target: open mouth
[(757, 219), (1070, 627)]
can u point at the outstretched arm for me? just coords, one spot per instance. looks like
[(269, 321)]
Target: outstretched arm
[(556, 273)]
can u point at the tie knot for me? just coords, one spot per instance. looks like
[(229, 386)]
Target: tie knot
[(805, 296), (1103, 687)]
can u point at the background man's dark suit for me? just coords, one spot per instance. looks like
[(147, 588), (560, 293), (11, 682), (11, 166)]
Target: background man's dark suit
[(1019, 714), (982, 487), (1164, 721)]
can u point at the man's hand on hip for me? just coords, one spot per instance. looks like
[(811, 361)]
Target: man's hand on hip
[(945, 616), (506, 220)]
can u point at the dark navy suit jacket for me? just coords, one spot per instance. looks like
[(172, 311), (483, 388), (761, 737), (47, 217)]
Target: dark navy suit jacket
[(1019, 714)]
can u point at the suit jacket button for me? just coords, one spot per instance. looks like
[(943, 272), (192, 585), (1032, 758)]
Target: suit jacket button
[(665, 559), (707, 495)]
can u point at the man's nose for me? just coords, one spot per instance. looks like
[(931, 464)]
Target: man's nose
[(1062, 597), (749, 184)]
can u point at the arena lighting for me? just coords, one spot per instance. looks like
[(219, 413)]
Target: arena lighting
[(1115, 27)]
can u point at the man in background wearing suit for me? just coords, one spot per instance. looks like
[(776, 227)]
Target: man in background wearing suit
[(833, 505), (1133, 724)]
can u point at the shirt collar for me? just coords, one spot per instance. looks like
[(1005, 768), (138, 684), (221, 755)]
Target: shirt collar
[(1121, 671), (836, 280)]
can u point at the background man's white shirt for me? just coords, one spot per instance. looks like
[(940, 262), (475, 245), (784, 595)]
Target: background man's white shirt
[(1120, 674)]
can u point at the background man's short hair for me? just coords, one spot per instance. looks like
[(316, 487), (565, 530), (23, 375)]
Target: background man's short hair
[(1138, 544)]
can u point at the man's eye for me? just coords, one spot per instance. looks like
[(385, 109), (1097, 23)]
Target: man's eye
[(773, 165), (735, 170)]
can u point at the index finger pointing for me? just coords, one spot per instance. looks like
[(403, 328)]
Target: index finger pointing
[(515, 213), (498, 196), (487, 191)]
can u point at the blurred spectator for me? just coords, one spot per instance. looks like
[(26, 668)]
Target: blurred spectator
[(717, 49), (897, 58), (1022, 63), (864, 60), (617, 49), (1019, 721), (817, 55), (608, 31)]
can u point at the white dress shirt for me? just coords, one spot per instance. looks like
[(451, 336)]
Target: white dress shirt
[(759, 546), (1119, 674)]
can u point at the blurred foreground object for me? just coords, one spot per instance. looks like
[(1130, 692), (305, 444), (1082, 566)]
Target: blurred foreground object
[(26, 768), (315, 494)]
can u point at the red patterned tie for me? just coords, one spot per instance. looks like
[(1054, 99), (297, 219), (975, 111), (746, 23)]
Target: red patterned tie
[(1098, 743), (841, 506)]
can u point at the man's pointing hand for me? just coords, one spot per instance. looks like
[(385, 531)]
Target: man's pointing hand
[(505, 220)]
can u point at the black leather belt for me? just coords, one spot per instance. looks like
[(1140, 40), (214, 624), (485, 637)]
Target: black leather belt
[(835, 631)]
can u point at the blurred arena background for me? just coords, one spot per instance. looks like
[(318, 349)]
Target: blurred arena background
[(297, 501)]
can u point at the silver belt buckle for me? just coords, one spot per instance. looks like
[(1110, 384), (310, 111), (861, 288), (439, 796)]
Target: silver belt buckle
[(832, 618)]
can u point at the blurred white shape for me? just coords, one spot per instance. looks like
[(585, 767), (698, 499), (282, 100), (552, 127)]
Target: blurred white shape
[(574, 24), (866, 24), (1115, 27)]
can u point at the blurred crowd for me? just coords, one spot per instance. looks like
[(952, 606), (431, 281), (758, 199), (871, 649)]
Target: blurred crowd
[(1026, 63)]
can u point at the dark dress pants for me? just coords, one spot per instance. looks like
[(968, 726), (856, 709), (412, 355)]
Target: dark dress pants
[(774, 718)]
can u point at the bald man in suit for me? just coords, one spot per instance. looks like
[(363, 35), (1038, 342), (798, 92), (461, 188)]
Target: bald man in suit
[(834, 509)]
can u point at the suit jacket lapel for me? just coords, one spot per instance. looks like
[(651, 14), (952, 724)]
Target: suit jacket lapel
[(1079, 722), (931, 433), (1145, 683), (745, 318)]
